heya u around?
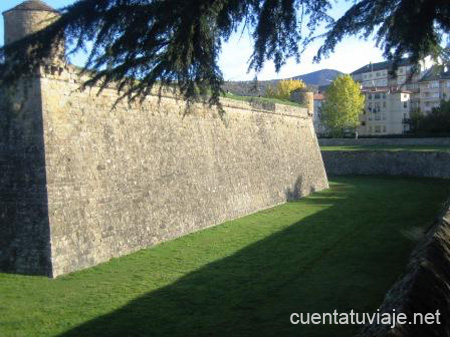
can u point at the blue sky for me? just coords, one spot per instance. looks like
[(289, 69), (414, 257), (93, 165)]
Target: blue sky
[(349, 55)]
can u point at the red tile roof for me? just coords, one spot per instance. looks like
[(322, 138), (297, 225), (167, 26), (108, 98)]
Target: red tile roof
[(319, 97)]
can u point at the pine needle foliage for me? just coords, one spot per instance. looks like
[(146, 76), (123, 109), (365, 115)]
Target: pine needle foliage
[(166, 42), (413, 28), (179, 41)]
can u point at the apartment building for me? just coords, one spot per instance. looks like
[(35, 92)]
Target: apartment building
[(386, 111), (389, 97), (380, 74), (434, 87)]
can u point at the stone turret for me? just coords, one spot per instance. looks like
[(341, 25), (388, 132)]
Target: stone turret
[(305, 97), (30, 17), (24, 229)]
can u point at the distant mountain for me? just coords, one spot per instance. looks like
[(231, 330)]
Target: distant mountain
[(320, 77), (314, 80)]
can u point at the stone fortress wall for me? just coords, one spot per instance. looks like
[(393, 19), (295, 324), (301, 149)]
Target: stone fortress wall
[(84, 182), (429, 141), (427, 164), (432, 164)]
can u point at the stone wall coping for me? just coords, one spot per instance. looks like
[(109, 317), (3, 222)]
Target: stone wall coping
[(71, 74)]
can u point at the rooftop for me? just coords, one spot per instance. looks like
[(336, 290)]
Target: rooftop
[(32, 5), (392, 90), (380, 66), (319, 97), (436, 73)]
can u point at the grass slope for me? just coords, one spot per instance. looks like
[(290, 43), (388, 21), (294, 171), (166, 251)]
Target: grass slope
[(337, 249), (263, 100), (415, 148)]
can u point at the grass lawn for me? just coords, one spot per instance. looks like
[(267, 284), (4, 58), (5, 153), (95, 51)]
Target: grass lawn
[(338, 249), (263, 100), (426, 148)]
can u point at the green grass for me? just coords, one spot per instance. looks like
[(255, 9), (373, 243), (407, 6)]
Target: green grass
[(263, 100), (338, 249), (423, 148)]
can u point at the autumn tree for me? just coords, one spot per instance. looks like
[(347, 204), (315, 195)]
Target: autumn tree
[(343, 105), (179, 41), (284, 88)]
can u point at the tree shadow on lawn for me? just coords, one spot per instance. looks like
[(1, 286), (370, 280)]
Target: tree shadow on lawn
[(328, 261)]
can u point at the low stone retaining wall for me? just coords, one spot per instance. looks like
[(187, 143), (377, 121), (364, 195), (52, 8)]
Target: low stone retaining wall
[(401, 163), (384, 141), (423, 289)]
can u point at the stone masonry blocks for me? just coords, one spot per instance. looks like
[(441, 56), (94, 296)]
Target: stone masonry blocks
[(113, 181)]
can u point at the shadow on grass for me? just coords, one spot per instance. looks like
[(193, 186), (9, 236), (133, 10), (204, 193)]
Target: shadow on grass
[(330, 260)]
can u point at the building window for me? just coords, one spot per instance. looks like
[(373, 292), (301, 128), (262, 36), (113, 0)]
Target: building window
[(405, 105), (384, 96), (363, 123), (448, 84), (370, 96), (384, 128), (384, 105), (377, 129), (377, 96), (384, 117), (434, 84)]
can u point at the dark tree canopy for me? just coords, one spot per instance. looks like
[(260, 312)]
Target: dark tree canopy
[(179, 41), (416, 28)]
